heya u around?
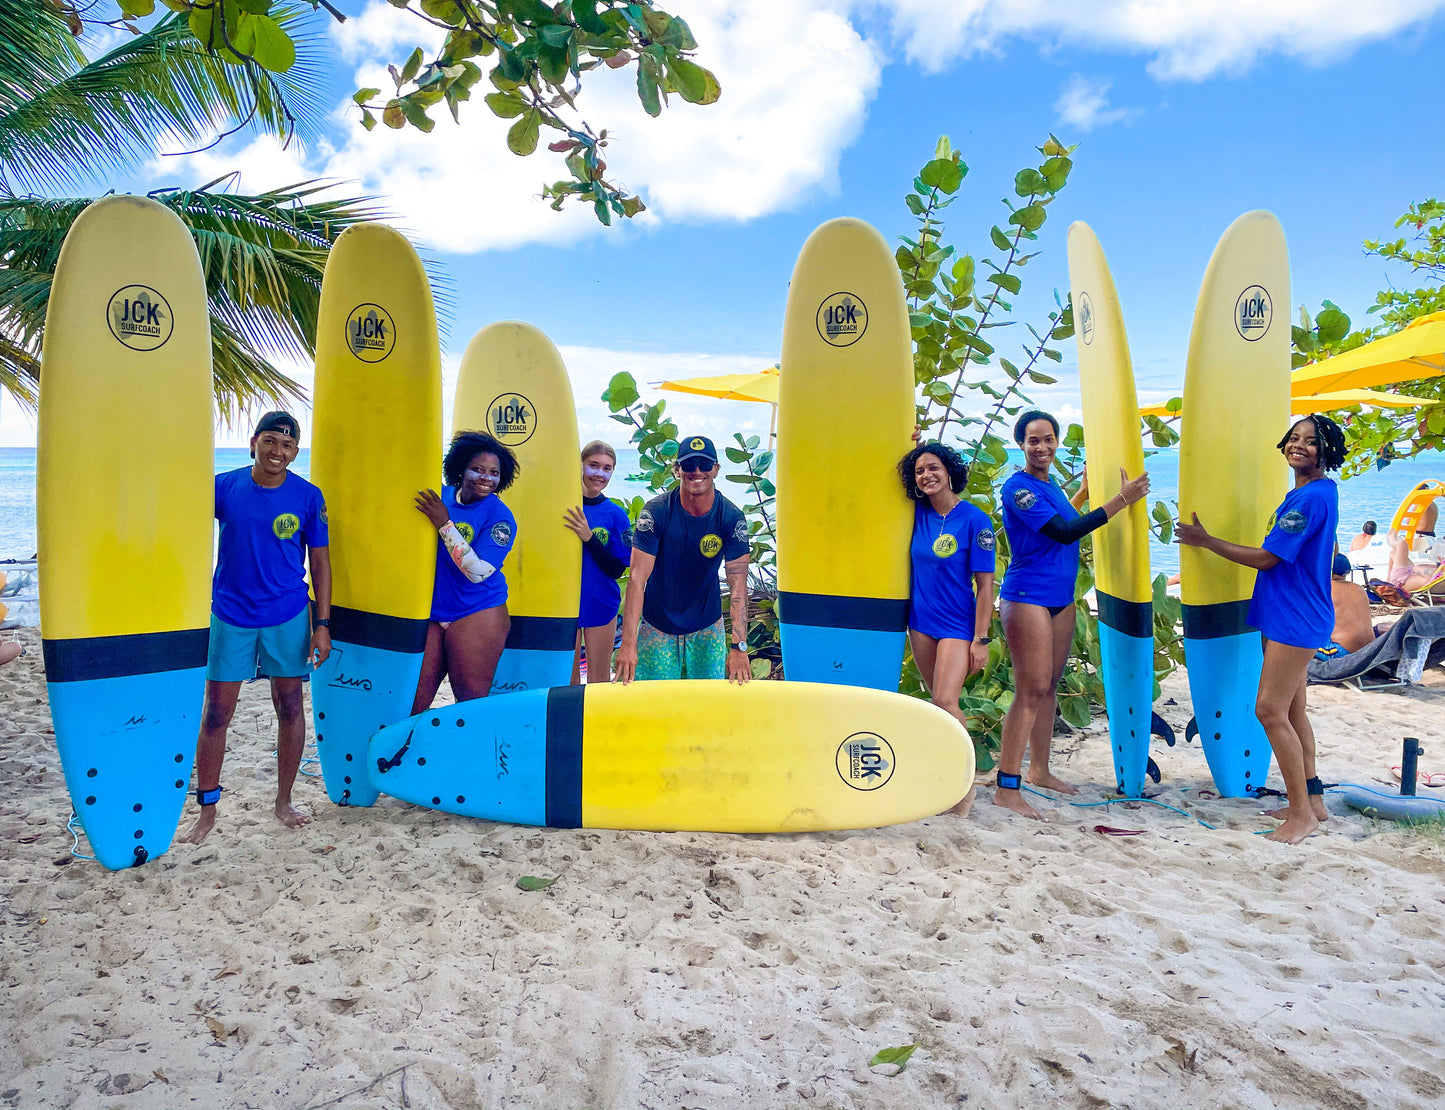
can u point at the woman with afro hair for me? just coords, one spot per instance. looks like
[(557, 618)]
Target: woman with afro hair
[(1293, 610)]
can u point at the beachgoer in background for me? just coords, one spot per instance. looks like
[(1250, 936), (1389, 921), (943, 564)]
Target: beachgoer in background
[(10, 650), (1407, 575), (1037, 606), (952, 553), (469, 619), (1427, 521), (273, 526), (1353, 627), (606, 534), (1365, 535), (672, 625), (1293, 609)]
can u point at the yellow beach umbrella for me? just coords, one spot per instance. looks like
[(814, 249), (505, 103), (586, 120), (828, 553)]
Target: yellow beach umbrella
[(1416, 351), (761, 387), (1326, 402)]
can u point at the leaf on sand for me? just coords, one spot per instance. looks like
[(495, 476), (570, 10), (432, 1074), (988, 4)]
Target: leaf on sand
[(341, 1005), (898, 1057), (226, 971), (531, 882), (218, 1031)]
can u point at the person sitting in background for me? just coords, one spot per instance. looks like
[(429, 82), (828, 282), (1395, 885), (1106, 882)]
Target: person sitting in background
[(1353, 629), (1407, 576), (10, 650), (1365, 535)]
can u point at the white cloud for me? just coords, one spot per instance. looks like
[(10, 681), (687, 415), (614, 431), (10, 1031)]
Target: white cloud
[(1187, 39), (1084, 104)]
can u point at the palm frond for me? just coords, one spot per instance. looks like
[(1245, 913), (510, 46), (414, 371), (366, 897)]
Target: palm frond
[(36, 50), (263, 258), (80, 121)]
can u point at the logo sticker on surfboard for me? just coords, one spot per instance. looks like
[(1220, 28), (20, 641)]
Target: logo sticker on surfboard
[(139, 317), (842, 320), (370, 332), (865, 761), (1253, 313), (512, 419), (1086, 319)]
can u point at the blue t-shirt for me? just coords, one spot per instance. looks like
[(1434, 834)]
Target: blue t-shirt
[(490, 528), (1292, 602), (682, 594), (261, 558), (601, 595), (946, 553), (1040, 571)]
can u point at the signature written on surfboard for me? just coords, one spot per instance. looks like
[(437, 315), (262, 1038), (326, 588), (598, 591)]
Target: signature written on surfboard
[(501, 749), (346, 682)]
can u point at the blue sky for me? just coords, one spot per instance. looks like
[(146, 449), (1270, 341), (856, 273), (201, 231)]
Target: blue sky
[(1187, 114)]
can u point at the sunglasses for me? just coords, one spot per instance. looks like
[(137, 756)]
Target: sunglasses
[(695, 464)]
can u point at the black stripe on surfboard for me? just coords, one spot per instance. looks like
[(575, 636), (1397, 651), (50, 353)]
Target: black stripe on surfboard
[(374, 630), (564, 756), (1214, 622), (1132, 618), (871, 614), (543, 633), (91, 657)]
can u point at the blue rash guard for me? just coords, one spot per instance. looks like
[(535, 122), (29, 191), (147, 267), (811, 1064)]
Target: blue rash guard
[(612, 531), (1041, 571), (260, 576), (1291, 602), (946, 552), (489, 527)]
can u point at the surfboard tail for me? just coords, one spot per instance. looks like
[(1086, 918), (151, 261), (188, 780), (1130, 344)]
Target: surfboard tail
[(127, 710), (538, 654), (1126, 648), (842, 641), (368, 681), (1223, 657)]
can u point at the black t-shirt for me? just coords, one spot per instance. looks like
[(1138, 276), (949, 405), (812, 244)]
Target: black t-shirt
[(682, 593)]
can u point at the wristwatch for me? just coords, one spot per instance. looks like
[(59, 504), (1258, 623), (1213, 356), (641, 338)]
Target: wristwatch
[(982, 640), (740, 645), (322, 622)]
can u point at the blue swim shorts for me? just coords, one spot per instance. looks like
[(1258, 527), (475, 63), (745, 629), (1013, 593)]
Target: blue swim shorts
[(279, 651)]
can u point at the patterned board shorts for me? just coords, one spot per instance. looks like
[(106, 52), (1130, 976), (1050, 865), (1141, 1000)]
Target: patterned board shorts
[(700, 654)]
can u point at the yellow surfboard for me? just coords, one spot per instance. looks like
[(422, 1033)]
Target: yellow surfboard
[(514, 386), (125, 497), (764, 757), (376, 441), (1231, 474), (843, 530), (1121, 548)]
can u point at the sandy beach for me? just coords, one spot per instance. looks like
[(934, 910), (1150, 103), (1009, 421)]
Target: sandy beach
[(387, 958)]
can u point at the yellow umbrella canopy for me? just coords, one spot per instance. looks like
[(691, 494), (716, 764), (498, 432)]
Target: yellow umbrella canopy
[(762, 386), (1325, 402), (1416, 351)]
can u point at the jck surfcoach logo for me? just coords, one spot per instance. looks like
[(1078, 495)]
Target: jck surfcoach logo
[(1253, 313), (286, 525), (865, 761), (1086, 319), (945, 545), (710, 545), (842, 320), (513, 419), (370, 333), (139, 317)]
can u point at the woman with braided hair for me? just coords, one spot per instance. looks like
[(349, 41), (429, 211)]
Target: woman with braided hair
[(1293, 610)]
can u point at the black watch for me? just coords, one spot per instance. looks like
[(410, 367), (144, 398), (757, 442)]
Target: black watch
[(740, 645), (982, 640), (323, 622)]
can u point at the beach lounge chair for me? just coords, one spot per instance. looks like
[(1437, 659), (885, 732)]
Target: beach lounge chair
[(1398, 658)]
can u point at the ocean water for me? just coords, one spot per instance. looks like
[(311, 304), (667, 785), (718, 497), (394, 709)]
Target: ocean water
[(1372, 496)]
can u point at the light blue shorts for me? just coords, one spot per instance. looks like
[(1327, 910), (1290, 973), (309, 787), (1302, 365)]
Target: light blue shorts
[(241, 654)]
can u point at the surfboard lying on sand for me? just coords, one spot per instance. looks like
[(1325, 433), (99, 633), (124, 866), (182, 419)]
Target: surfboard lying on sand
[(1391, 805), (1236, 405), (514, 386), (699, 755), (125, 494), (843, 531), (376, 442), (1121, 548)]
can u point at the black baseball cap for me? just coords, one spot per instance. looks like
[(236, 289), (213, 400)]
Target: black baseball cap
[(696, 447), (278, 421)]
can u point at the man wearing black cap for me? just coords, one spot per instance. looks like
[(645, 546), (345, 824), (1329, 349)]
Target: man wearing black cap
[(272, 524), (672, 624)]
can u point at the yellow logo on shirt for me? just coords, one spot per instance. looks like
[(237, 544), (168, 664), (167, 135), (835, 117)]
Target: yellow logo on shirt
[(467, 531), (286, 525), (710, 545), (601, 535), (945, 545)]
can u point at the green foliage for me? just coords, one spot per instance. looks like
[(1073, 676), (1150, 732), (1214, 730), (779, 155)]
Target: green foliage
[(533, 882), (899, 1056)]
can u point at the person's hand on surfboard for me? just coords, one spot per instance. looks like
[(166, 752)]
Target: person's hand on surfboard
[(1193, 534), (431, 507), (624, 663), (320, 646), (1132, 489), (575, 519)]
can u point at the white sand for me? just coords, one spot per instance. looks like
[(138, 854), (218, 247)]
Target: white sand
[(385, 957)]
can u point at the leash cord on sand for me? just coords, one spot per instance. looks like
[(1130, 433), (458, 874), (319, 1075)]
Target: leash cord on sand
[(73, 828), (1115, 801)]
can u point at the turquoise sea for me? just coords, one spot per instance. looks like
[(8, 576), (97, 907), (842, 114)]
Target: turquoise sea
[(1372, 496)]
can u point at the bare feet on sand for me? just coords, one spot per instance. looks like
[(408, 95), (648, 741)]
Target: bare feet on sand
[(964, 807), (1296, 827), (204, 823), (1317, 807), (1047, 781), (1014, 800), (290, 816)]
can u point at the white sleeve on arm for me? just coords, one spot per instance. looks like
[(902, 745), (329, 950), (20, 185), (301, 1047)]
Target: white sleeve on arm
[(478, 570)]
